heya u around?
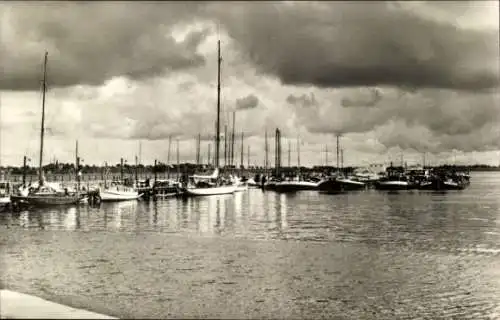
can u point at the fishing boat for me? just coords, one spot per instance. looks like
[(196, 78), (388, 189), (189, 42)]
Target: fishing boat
[(444, 180), (43, 194), (210, 185), (396, 179), (165, 188)]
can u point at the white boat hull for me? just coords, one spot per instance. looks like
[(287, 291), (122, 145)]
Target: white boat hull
[(4, 200), (118, 196), (208, 191)]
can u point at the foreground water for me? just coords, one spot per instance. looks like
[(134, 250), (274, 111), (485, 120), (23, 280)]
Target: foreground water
[(361, 255)]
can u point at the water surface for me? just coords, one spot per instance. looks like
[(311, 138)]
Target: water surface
[(359, 255)]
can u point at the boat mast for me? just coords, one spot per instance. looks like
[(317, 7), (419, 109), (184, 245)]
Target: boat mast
[(209, 155), (338, 155), (77, 163), (226, 153), (266, 147), (198, 145), (219, 60), (242, 137), (289, 153), (232, 162), (298, 156), (178, 162), (168, 156), (42, 129)]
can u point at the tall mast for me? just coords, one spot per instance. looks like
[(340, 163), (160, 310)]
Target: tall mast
[(136, 168), (266, 148), (77, 165), (219, 60), (242, 137), (198, 140), (248, 156), (277, 151), (232, 139), (289, 152), (338, 155), (226, 154), (342, 158), (209, 155), (140, 152), (178, 162), (42, 129), (168, 156), (298, 152)]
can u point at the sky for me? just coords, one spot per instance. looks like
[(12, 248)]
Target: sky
[(393, 79)]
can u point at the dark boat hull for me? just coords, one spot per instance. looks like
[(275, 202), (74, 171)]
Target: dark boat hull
[(47, 201), (439, 185), (294, 187), (334, 186)]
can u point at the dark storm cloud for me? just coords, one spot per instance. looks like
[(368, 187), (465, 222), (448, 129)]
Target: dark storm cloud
[(91, 42), (340, 44), (248, 102)]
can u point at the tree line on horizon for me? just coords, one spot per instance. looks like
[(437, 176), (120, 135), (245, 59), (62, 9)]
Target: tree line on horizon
[(69, 168)]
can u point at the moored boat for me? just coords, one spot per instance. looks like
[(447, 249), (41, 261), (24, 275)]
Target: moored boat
[(295, 185), (165, 188), (396, 179), (44, 194), (118, 192), (200, 185)]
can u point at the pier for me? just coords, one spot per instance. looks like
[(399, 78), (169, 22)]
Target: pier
[(16, 305)]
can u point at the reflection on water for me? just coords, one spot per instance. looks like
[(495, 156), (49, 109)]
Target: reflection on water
[(422, 251), (453, 218)]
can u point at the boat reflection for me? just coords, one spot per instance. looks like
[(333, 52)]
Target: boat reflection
[(71, 219), (283, 211)]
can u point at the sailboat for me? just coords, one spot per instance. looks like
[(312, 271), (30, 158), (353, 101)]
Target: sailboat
[(5, 188), (213, 184), (44, 194), (117, 191), (297, 183)]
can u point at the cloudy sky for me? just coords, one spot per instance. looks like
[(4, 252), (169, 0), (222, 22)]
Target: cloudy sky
[(393, 78)]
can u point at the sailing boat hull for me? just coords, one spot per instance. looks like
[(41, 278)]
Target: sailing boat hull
[(193, 192), (118, 196), (44, 201), (293, 186)]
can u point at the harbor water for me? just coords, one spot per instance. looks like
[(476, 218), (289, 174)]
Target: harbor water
[(360, 255)]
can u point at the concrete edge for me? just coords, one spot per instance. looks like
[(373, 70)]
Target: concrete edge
[(16, 305)]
